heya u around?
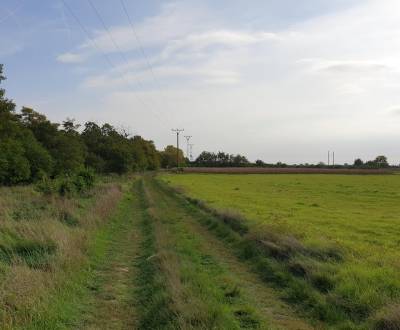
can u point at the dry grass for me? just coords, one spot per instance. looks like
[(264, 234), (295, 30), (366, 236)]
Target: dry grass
[(39, 247), (388, 319)]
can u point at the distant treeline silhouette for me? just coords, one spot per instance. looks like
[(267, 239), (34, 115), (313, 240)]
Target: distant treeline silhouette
[(222, 159)]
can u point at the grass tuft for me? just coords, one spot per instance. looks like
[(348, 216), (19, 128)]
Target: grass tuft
[(68, 219), (388, 319), (34, 254)]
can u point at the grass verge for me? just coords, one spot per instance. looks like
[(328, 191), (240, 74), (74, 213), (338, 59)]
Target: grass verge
[(47, 265)]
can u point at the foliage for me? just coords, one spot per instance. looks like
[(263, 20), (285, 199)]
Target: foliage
[(220, 159), (68, 185), (110, 151), (169, 157), (358, 163), (32, 148), (14, 167)]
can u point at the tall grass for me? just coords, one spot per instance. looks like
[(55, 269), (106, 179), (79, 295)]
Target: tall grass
[(43, 240)]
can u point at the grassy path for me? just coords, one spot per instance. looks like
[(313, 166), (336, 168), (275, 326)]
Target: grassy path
[(153, 266), (209, 287), (111, 288)]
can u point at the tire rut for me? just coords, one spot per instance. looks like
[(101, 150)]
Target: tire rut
[(265, 299)]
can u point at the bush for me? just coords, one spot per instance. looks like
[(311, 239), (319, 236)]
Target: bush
[(86, 177), (68, 185)]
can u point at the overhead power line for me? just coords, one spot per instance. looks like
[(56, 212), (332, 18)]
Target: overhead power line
[(105, 56), (177, 131), (149, 65), (140, 44), (11, 13), (114, 42)]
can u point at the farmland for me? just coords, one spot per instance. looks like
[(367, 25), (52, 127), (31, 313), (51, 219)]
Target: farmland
[(332, 239)]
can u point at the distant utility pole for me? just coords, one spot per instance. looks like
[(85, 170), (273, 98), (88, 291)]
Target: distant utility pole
[(191, 152), (333, 161), (187, 137), (329, 157), (177, 131)]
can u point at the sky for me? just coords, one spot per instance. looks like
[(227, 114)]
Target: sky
[(277, 80)]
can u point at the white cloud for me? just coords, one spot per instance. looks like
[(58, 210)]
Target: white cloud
[(71, 58), (325, 82), (346, 66), (222, 38), (394, 110)]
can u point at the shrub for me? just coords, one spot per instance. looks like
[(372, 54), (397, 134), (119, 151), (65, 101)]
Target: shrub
[(86, 179), (65, 186)]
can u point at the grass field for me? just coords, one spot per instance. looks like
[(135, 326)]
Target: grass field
[(333, 240)]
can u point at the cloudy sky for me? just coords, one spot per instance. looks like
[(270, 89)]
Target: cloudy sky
[(278, 80)]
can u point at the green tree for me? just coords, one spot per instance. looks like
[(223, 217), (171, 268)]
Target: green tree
[(169, 157), (358, 163), (23, 158), (14, 166), (381, 162)]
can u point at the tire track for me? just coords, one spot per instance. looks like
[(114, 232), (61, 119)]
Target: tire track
[(269, 308)]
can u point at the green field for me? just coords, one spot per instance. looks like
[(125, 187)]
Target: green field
[(341, 234)]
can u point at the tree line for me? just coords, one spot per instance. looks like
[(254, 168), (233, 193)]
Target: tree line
[(222, 159), (380, 162), (32, 147)]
